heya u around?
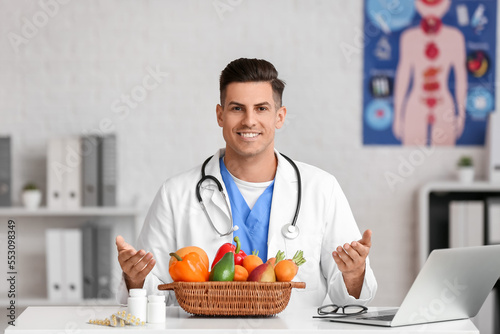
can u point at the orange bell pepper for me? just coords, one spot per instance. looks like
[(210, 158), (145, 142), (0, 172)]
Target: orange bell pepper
[(189, 268)]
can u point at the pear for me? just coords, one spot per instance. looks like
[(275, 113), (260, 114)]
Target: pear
[(262, 273)]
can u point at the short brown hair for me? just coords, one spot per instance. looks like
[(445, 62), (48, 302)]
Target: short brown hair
[(251, 70)]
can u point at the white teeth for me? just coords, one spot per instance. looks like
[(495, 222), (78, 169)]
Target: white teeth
[(249, 135)]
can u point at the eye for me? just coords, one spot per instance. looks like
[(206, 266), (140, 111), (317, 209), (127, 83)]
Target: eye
[(236, 108), (262, 108)]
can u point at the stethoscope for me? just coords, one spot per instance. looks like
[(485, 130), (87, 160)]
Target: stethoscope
[(289, 231)]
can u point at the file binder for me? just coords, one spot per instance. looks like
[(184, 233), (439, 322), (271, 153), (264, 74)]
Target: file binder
[(493, 220), (91, 145), (72, 196), (104, 242), (64, 165), (72, 264), (5, 171), (55, 173), (108, 170), (55, 275), (466, 226), (89, 258)]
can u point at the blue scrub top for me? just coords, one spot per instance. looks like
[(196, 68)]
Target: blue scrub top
[(253, 224)]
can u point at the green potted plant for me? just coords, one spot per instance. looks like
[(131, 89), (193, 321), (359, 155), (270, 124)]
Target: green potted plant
[(465, 169), (31, 196)]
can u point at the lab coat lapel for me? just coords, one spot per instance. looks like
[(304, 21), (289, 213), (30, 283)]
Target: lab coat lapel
[(213, 168), (283, 204)]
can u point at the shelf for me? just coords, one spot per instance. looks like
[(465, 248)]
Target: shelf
[(84, 211), (444, 191), (460, 186), (46, 302)]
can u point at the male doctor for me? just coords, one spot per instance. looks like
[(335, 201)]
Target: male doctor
[(262, 188)]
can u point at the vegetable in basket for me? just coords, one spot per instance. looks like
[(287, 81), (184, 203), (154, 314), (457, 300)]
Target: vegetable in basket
[(189, 249), (286, 270), (279, 256), (240, 273), (190, 268), (224, 269), (252, 261), (239, 254)]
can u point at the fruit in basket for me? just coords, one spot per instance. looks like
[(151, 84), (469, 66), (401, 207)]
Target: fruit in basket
[(239, 254), (240, 273), (263, 273), (189, 268), (186, 250), (287, 269), (250, 262), (224, 269), (279, 256)]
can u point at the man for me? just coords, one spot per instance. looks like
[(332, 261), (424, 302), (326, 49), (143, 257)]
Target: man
[(262, 187)]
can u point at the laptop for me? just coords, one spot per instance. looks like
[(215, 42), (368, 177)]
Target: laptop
[(453, 284)]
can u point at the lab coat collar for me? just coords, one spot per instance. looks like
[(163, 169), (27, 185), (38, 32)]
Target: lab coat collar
[(213, 168), (283, 205)]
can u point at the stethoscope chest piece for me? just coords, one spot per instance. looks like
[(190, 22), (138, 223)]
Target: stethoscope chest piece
[(290, 231)]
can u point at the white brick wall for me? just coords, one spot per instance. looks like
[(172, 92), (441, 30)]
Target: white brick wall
[(65, 79)]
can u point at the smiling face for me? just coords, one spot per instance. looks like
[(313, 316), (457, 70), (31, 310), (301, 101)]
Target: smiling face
[(249, 119)]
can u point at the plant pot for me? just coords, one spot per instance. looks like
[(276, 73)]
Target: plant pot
[(465, 174), (32, 199)]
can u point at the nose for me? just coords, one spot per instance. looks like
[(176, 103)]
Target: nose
[(249, 119)]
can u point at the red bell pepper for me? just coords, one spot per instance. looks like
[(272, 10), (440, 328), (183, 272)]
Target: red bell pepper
[(239, 254)]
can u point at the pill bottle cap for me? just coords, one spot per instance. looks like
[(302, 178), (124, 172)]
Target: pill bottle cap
[(137, 292), (156, 298)]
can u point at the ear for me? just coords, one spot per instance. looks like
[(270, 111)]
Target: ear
[(280, 117), (219, 110)]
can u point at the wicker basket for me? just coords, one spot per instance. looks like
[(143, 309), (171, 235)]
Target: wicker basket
[(233, 298)]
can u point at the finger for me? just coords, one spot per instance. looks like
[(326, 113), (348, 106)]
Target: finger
[(344, 256), (367, 238), (361, 249), (136, 271), (121, 244), (132, 261), (352, 253), (125, 255), (141, 275), (340, 263)]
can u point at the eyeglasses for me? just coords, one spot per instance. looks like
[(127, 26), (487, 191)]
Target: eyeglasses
[(347, 310)]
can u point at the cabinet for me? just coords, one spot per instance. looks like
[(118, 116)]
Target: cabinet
[(434, 199), (30, 226), (433, 202)]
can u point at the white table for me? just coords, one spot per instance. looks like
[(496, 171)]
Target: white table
[(74, 319)]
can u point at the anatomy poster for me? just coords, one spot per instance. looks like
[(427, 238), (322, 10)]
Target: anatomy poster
[(429, 71)]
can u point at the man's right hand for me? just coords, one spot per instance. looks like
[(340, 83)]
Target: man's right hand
[(136, 265)]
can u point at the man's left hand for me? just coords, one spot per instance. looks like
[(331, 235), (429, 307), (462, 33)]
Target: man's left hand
[(351, 259)]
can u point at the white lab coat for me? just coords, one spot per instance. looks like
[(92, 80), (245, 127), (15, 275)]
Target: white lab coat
[(176, 220)]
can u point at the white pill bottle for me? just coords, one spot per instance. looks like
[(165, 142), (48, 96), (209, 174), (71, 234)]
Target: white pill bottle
[(137, 303), (156, 309)]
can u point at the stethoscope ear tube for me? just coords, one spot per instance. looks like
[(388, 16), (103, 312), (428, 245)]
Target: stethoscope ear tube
[(290, 231)]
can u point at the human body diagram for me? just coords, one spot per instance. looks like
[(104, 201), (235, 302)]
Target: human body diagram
[(425, 111)]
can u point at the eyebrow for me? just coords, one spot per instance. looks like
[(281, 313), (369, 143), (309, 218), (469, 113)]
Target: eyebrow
[(242, 105)]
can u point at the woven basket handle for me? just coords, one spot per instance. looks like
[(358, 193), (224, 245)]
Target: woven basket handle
[(298, 285), (169, 286)]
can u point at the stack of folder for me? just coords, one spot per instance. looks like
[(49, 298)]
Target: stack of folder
[(79, 263), (5, 171), (81, 171)]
